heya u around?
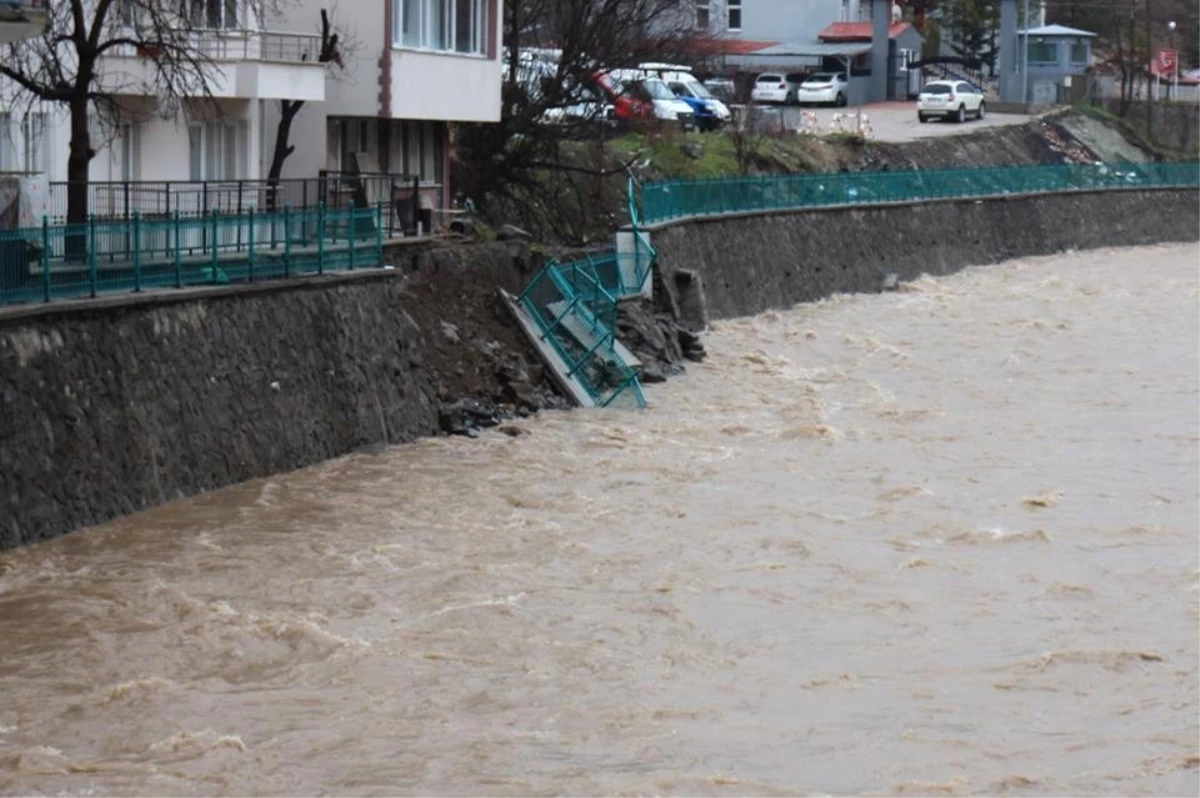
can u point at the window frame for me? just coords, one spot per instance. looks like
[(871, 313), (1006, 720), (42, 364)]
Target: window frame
[(733, 7), (445, 39), (1050, 45), (34, 152), (703, 12), (1080, 45)]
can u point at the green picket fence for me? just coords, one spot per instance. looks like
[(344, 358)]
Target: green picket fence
[(102, 257), (683, 198)]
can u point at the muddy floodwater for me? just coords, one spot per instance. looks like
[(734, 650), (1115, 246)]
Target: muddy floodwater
[(936, 541)]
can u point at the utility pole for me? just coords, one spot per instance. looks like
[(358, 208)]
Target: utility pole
[(1149, 64)]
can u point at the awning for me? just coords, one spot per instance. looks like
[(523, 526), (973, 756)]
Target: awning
[(799, 53)]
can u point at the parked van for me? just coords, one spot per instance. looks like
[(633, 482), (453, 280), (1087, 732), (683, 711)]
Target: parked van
[(709, 111), (636, 95)]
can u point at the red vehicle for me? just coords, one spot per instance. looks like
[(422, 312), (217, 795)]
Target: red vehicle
[(635, 97)]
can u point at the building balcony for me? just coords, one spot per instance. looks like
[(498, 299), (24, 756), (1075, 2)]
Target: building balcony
[(251, 65), (21, 19)]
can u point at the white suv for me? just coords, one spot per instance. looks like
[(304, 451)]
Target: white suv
[(950, 99)]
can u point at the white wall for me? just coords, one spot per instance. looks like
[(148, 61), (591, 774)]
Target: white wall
[(307, 136), (424, 85), (355, 90), (435, 86)]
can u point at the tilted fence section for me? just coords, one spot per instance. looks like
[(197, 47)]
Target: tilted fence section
[(50, 262), (678, 199), (577, 317)]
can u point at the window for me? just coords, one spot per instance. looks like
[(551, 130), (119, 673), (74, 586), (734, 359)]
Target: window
[(735, 14), (1079, 52), (469, 32), (216, 150), (221, 14), (33, 131), (128, 139), (702, 18), (1043, 52), (445, 25), (6, 148)]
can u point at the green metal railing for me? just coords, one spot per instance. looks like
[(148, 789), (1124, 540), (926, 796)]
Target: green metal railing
[(684, 198), (577, 317), (51, 262)]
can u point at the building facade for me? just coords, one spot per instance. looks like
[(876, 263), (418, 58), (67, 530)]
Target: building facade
[(416, 68), (256, 63), (411, 69)]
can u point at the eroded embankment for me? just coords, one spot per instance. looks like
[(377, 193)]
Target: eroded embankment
[(754, 262)]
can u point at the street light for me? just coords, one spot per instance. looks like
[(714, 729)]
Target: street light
[(1174, 93)]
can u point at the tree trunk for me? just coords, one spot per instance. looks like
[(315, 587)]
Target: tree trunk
[(77, 176), (287, 113), (77, 162)]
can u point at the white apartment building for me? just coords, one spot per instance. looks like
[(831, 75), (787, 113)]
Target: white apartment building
[(257, 63), (413, 68), (416, 67)]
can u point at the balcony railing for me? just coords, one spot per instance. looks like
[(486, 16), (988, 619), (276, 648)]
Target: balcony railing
[(408, 203), (246, 45)]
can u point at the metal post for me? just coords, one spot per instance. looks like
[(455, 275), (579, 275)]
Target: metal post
[(137, 252), (350, 236), (204, 211), (250, 260), (46, 259), (92, 253), (178, 249), (214, 248), (379, 231), (125, 186), (287, 240), (239, 213), (320, 238), (416, 204)]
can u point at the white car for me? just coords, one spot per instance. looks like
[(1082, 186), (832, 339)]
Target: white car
[(825, 87), (775, 87), (950, 99), (710, 112)]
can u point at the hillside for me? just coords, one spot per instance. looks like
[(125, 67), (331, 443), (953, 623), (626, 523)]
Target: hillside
[(578, 208)]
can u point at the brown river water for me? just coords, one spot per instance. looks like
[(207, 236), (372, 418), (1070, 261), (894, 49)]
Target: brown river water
[(938, 541)]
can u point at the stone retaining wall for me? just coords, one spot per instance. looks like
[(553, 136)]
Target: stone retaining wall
[(754, 262)]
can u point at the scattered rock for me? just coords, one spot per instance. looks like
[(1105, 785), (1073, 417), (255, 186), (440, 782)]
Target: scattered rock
[(692, 150), (687, 338), (523, 394), (463, 416), (651, 373), (890, 281), (512, 432), (450, 331)]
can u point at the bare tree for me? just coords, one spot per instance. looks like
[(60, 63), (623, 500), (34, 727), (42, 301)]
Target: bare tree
[(553, 51), (96, 51), (333, 50)]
